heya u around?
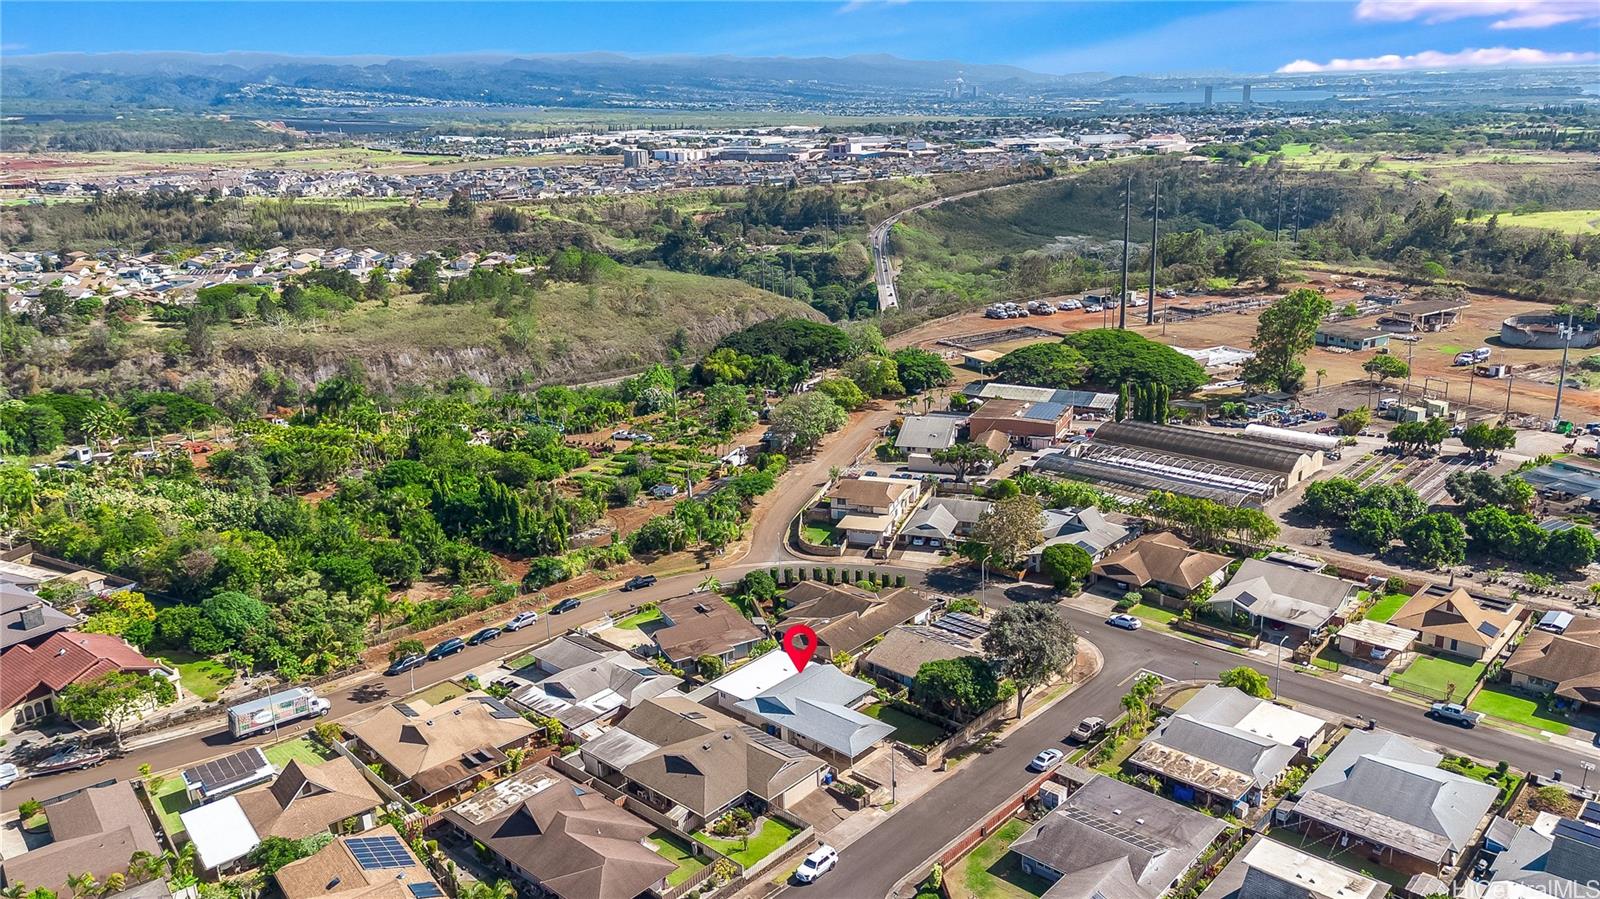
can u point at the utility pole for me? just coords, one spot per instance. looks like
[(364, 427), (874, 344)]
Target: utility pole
[(1155, 218), (1561, 382), (1127, 212), (1510, 377)]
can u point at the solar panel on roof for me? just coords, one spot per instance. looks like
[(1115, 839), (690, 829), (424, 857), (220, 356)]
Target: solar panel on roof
[(1114, 829), (963, 624), (380, 852), (773, 743), (425, 890), (226, 770)]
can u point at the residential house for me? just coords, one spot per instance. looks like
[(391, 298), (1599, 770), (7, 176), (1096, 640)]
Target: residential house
[(304, 800), (1086, 528), (1290, 601), (905, 649), (703, 624), (1388, 793), (25, 618), (94, 831), (31, 676), (1268, 869), (1455, 623), (1111, 839), (375, 865), (694, 763), (1080, 401), (1565, 664), (1034, 425), (1351, 336), (942, 523), (867, 509), (440, 751), (1226, 746), (818, 710), (1554, 856), (562, 839), (1164, 561), (927, 434), (846, 617), (587, 685)]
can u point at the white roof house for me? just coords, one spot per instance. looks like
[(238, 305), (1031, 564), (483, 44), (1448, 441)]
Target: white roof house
[(754, 677), (220, 832)]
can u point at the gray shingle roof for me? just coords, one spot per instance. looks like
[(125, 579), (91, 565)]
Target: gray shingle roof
[(815, 704), (928, 431), (1285, 594)]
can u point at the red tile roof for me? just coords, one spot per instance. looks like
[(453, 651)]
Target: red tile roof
[(65, 658)]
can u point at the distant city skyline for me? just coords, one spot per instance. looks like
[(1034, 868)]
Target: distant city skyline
[(1241, 36)]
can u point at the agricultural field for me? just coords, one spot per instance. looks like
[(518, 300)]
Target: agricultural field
[(1570, 221)]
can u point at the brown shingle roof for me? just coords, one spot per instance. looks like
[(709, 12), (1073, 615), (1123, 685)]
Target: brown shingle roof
[(64, 658), (95, 831), (1164, 558), (877, 493), (1455, 616), (441, 735), (846, 618), (574, 841), (306, 799), (333, 871), (702, 624), (706, 759), (1570, 660)]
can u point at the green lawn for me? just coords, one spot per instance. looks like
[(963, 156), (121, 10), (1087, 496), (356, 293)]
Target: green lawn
[(774, 833), (1155, 613), (908, 729), (637, 619), (302, 748), (1572, 221), (817, 534), (1384, 609), (200, 675), (1433, 675), (990, 871), (1527, 710), (522, 661), (671, 847), (440, 693), (171, 801)]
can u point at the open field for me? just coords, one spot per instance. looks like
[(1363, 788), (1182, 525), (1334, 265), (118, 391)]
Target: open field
[(1570, 221), (60, 165)]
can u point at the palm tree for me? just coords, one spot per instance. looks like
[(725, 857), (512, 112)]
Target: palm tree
[(1321, 373), (500, 889), (116, 882), (81, 885), (180, 865), (381, 606), (143, 865), (711, 584)]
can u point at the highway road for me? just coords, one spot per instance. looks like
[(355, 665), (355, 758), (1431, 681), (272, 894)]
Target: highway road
[(888, 297), (870, 867)]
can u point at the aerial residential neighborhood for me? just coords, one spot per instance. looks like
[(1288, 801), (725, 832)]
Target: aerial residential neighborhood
[(648, 450)]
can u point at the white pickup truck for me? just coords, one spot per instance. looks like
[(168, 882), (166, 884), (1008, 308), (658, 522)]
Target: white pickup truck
[(1454, 713)]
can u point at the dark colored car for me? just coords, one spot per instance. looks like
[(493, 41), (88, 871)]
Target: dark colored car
[(448, 647), (566, 605), (635, 583), (483, 636), (404, 664)]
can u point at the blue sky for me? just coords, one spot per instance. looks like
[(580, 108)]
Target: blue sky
[(1060, 37)]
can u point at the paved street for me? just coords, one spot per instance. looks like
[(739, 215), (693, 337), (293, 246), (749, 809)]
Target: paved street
[(869, 868)]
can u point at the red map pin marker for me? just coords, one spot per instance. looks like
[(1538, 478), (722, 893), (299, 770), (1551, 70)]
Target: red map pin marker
[(800, 644)]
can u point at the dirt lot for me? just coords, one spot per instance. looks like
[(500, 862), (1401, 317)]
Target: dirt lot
[(1431, 356)]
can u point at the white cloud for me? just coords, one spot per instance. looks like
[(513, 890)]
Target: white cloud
[(1508, 14), (1435, 59)]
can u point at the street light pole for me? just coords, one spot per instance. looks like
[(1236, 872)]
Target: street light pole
[(1277, 668), (1561, 382), (1587, 767)]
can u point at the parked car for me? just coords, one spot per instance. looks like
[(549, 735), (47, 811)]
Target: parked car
[(819, 862), (522, 620), (1088, 729), (1070, 305), (448, 647), (1454, 713), (1092, 307), (8, 775), (483, 636), (566, 605), (404, 664), (1046, 760), (1125, 621), (640, 581)]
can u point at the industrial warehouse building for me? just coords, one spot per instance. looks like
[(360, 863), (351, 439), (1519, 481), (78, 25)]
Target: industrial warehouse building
[(1137, 457)]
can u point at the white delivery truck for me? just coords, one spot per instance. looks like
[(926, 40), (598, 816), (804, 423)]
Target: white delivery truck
[(263, 714)]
